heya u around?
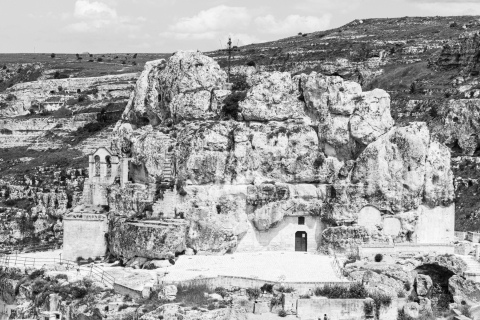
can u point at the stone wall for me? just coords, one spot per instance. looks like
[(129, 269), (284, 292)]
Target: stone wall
[(241, 282), (342, 309), (84, 236), (435, 225), (406, 248)]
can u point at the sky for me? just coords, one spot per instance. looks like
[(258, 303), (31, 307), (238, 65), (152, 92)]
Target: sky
[(163, 26)]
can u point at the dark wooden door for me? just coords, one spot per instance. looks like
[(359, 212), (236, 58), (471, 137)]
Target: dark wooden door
[(301, 241)]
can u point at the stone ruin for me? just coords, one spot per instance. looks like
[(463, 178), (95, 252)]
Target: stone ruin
[(303, 163)]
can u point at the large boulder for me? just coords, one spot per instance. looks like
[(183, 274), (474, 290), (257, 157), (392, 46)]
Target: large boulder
[(393, 168), (467, 290), (347, 119), (272, 97), (186, 86), (412, 310), (180, 88), (423, 284), (371, 118), (143, 106)]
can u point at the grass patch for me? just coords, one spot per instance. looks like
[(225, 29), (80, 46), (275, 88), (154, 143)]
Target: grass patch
[(62, 159)]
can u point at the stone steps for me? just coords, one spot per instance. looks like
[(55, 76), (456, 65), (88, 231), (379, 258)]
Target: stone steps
[(472, 264), (167, 170)]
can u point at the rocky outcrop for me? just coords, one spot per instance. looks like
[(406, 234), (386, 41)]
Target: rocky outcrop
[(423, 284), (461, 53), (21, 97), (182, 89), (310, 145), (273, 97), (153, 241), (467, 290)]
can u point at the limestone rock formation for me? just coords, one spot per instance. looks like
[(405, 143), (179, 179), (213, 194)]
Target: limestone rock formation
[(184, 88), (143, 101), (391, 279), (311, 145), (273, 97), (423, 284), (467, 290)]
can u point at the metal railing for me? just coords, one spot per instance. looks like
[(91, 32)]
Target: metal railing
[(29, 248), (93, 271)]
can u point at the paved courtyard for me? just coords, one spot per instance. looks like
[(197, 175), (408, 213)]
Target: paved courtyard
[(270, 266)]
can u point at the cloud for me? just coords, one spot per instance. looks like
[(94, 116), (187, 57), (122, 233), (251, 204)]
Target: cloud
[(84, 9), (292, 24), (239, 22), (96, 16), (220, 18), (209, 24), (448, 8)]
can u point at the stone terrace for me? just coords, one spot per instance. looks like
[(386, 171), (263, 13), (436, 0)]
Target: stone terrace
[(269, 266)]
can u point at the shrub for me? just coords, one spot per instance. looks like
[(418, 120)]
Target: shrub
[(39, 286), (88, 283), (123, 307), (253, 293), (61, 276), (378, 257), (221, 291), (63, 112), (52, 55), (36, 273), (381, 300), (282, 313), (79, 292), (354, 291), (99, 59), (251, 63), (286, 289), (231, 107), (211, 306), (304, 296), (79, 259), (192, 295), (267, 287)]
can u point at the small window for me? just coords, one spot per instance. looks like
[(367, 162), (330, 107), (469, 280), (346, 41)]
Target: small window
[(301, 220)]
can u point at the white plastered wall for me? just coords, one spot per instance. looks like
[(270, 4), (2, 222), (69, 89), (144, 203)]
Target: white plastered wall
[(282, 237)]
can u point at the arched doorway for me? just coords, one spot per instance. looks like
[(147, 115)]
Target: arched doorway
[(301, 241)]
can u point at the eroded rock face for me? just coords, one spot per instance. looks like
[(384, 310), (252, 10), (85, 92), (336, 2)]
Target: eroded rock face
[(348, 119), (129, 240), (423, 284), (143, 103), (467, 290), (390, 279), (396, 184), (273, 97), (311, 145)]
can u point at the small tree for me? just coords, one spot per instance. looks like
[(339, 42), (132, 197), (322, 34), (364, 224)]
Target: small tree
[(52, 55), (135, 56)]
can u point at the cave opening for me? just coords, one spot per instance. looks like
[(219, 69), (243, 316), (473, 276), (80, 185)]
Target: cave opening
[(439, 294)]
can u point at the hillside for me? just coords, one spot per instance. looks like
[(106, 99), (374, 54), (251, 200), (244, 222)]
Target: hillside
[(428, 65)]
